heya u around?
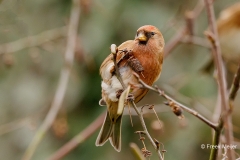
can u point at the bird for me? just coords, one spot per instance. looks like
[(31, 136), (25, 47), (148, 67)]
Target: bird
[(228, 27), (142, 56)]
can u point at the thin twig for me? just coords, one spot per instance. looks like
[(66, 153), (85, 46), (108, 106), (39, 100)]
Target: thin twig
[(140, 115), (216, 50), (235, 85), (28, 121), (191, 111), (184, 30), (17, 124), (198, 8), (33, 41), (196, 41), (114, 53), (217, 127), (217, 111), (174, 41), (152, 108), (78, 139), (63, 81)]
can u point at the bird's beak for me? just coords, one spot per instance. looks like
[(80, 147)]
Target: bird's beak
[(142, 37)]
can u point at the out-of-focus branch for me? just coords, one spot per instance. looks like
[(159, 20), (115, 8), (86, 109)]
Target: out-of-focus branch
[(235, 86), (216, 140), (33, 41), (196, 40), (17, 124), (189, 110), (174, 41), (186, 30), (216, 50), (136, 152), (63, 81), (28, 122), (78, 139)]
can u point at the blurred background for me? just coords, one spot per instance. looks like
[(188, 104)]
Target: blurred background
[(29, 77)]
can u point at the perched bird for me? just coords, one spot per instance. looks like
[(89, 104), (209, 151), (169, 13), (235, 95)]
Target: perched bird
[(143, 56), (229, 36), (228, 26)]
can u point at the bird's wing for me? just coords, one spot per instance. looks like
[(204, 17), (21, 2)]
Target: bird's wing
[(107, 68)]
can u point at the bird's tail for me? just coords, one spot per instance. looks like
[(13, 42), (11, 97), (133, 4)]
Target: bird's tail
[(110, 130)]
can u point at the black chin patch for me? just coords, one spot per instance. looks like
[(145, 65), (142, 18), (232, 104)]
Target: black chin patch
[(143, 42)]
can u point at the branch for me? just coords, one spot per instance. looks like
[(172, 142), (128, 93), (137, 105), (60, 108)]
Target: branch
[(63, 81), (216, 140), (140, 115), (191, 111), (172, 103), (221, 76), (195, 40), (136, 152), (17, 124), (235, 85), (33, 41), (174, 41), (78, 139), (187, 29), (114, 51), (119, 77)]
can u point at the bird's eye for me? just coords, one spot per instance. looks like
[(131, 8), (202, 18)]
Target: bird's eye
[(152, 33)]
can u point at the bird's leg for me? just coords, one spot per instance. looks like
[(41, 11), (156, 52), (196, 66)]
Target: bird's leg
[(130, 97)]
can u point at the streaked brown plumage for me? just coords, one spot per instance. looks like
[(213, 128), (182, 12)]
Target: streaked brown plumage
[(146, 54)]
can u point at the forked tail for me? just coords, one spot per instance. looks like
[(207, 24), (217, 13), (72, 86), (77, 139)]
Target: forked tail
[(110, 130)]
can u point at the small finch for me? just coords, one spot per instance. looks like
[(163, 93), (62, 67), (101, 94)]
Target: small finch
[(228, 26), (143, 56), (229, 36)]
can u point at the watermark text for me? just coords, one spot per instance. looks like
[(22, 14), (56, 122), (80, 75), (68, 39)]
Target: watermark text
[(220, 146)]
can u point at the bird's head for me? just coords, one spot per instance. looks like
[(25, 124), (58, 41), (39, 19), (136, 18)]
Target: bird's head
[(149, 35)]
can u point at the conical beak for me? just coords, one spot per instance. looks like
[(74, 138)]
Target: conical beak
[(142, 37)]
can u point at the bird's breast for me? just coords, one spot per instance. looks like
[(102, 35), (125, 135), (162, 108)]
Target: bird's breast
[(152, 65), (112, 87)]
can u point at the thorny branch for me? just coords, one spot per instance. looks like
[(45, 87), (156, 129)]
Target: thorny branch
[(140, 115), (63, 81)]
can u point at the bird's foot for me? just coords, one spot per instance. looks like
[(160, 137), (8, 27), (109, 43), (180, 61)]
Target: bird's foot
[(118, 93), (130, 97)]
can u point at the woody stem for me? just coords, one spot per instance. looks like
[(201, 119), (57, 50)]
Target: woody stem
[(189, 110)]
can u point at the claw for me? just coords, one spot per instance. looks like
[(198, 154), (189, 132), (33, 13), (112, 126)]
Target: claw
[(130, 97)]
